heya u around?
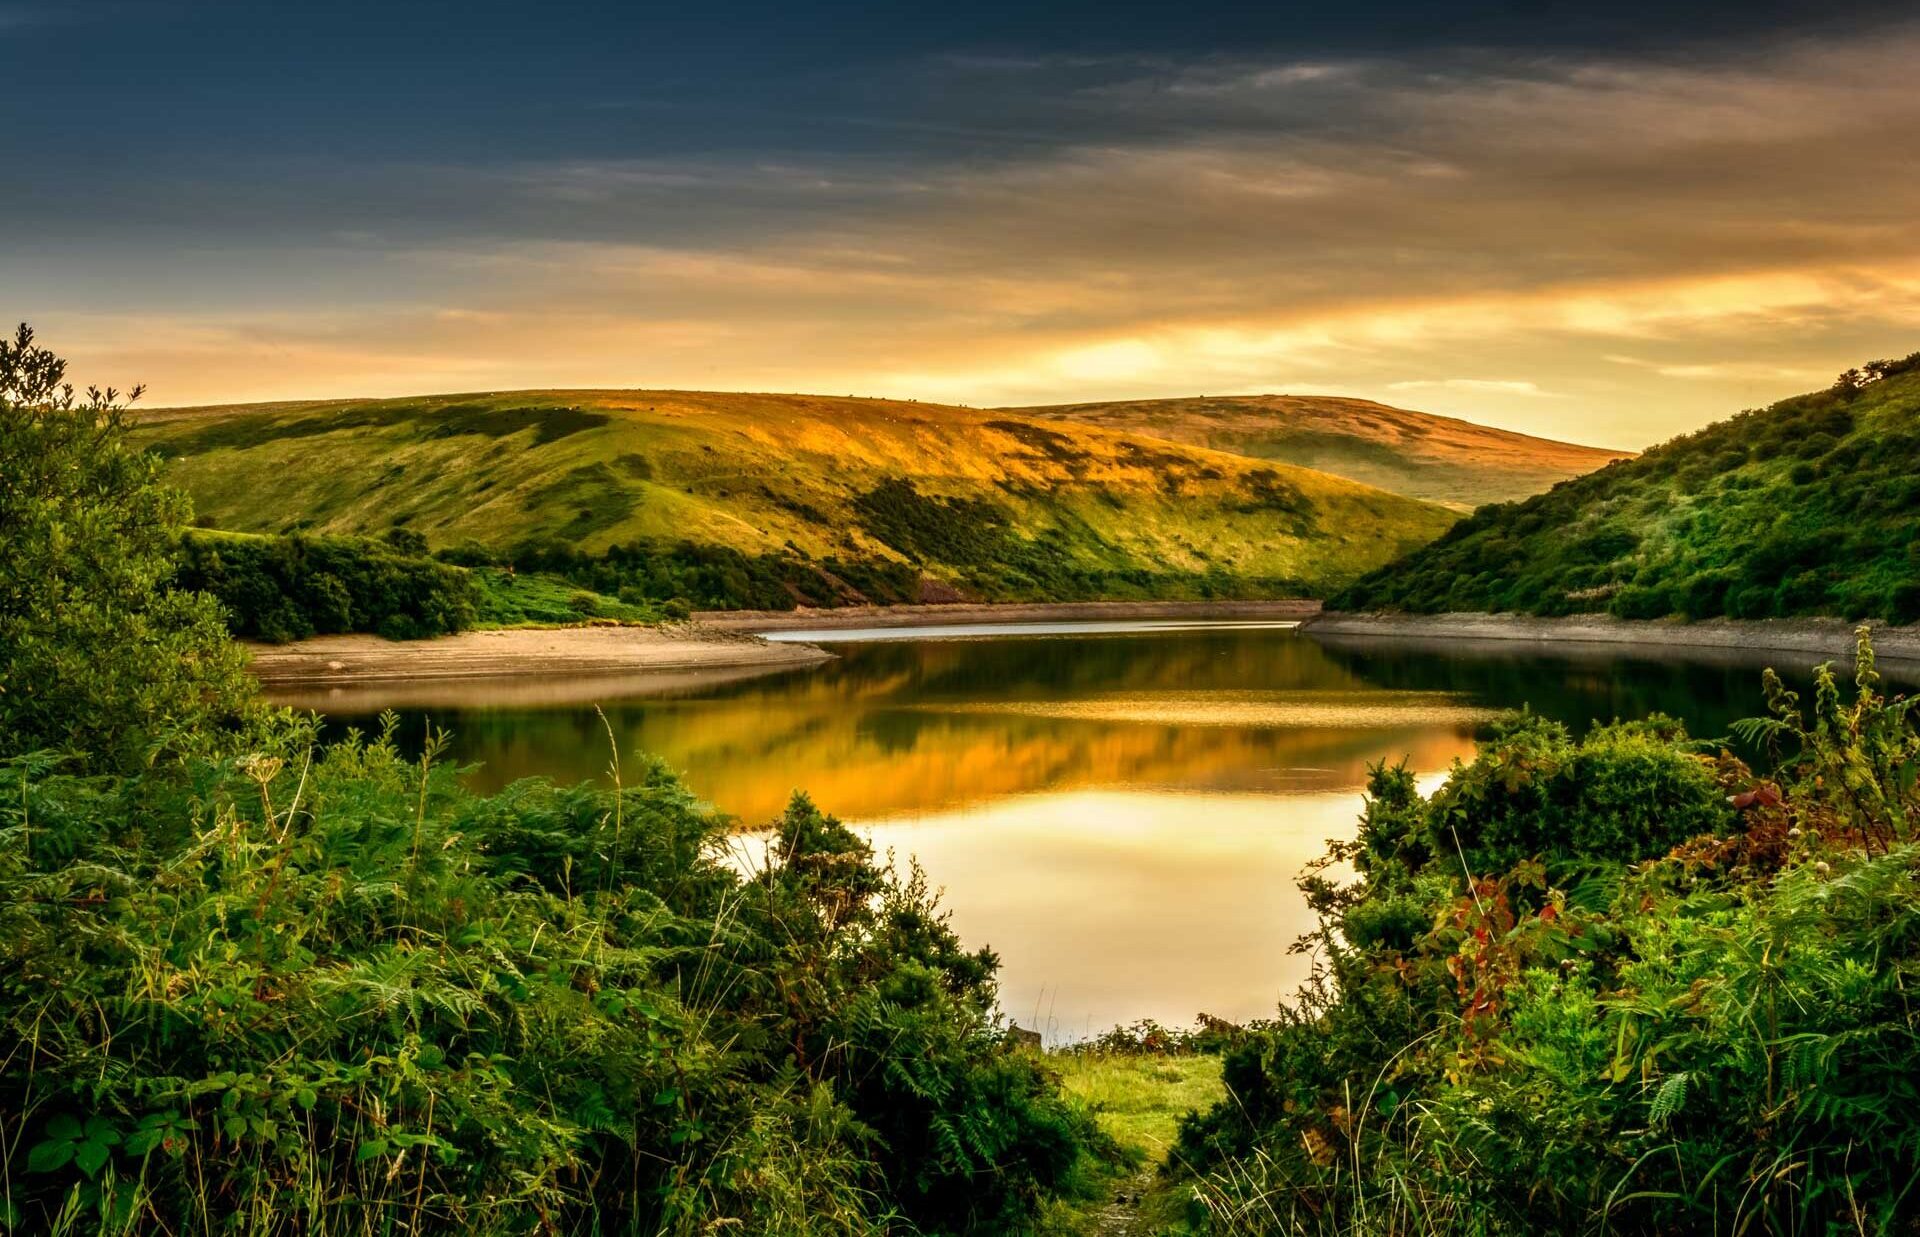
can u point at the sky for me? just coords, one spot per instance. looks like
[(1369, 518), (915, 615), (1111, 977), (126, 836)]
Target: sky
[(1605, 223)]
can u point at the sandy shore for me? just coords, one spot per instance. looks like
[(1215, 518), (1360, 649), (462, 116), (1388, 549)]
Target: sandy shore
[(522, 652), (1816, 639), (942, 615)]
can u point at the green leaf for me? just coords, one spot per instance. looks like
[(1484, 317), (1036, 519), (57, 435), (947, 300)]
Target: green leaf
[(370, 1149), (235, 1127), (65, 1126), (91, 1157), (51, 1156)]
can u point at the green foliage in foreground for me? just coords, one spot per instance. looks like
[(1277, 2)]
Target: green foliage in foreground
[(100, 652), (1611, 1033), (1810, 507), (329, 991)]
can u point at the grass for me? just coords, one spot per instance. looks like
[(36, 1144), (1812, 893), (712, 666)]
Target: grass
[(528, 599), (813, 479), (1440, 459), (1809, 507), (1138, 1100)]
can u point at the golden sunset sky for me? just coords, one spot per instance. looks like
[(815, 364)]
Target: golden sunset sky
[(1606, 233)]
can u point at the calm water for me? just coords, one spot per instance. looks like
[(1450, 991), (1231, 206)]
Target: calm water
[(1119, 810)]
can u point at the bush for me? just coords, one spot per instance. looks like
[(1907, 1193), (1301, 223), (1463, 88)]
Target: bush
[(1599, 1030), (347, 996), (289, 588), (104, 653)]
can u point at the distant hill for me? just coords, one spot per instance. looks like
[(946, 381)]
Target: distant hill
[(1440, 459), (832, 499), (1810, 507)]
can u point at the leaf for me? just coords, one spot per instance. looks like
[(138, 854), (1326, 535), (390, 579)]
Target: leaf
[(92, 1157), (235, 1127), (66, 1127), (1669, 1099), (50, 1156), (370, 1149)]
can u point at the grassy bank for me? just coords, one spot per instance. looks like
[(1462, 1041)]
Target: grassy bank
[(1810, 507)]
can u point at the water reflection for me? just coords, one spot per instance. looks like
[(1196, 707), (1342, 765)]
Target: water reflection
[(1120, 815)]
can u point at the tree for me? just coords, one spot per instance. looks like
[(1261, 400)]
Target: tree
[(100, 656)]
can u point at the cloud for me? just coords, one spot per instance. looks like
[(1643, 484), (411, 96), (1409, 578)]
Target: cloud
[(1486, 386), (1633, 247)]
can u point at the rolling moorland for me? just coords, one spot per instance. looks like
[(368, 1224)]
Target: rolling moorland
[(1440, 459), (1809, 507), (772, 500)]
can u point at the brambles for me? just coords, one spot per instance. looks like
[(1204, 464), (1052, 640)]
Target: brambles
[(1572, 992)]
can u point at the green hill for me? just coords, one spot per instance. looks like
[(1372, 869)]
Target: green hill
[(1810, 507), (1440, 459), (819, 499)]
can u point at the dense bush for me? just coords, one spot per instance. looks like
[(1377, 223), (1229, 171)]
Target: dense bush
[(1810, 507), (289, 588), (102, 654), (329, 991), (1564, 1022)]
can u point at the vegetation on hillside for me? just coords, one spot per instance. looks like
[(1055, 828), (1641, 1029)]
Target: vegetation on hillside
[(768, 501), (1419, 454), (289, 588), (1810, 507), (1609, 986), (253, 984)]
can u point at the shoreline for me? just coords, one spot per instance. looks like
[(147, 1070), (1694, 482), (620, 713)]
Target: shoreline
[(1820, 638), (845, 617), (522, 652)]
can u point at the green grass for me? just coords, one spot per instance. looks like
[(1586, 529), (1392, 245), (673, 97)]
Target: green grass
[(527, 599), (845, 488), (1440, 459), (1139, 1099), (1809, 507)]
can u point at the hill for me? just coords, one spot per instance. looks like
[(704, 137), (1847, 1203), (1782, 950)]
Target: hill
[(810, 499), (1420, 454), (1809, 507)]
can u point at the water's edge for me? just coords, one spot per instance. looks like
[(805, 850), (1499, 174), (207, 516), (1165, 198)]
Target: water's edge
[(1821, 637)]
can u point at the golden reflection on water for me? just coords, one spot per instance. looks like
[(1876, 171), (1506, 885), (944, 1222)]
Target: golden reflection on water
[(1121, 817), (1122, 820), (1110, 906)]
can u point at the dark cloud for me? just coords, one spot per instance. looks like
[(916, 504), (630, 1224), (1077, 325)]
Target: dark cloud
[(1583, 223)]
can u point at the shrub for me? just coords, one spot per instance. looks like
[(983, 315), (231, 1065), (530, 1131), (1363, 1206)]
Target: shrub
[(289, 588), (1616, 1035), (347, 996), (104, 653)]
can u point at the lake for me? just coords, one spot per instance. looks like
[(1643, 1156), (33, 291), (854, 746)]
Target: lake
[(1119, 809)]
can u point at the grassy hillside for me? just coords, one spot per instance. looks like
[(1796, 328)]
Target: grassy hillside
[(866, 493), (1810, 507), (1440, 459)]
